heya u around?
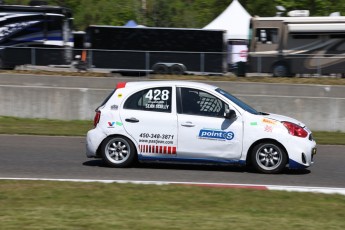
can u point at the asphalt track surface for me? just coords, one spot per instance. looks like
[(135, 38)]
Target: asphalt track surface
[(64, 158)]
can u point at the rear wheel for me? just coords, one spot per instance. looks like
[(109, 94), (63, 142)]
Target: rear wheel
[(118, 152), (268, 157)]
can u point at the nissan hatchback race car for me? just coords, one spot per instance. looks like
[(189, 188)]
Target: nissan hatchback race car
[(191, 122)]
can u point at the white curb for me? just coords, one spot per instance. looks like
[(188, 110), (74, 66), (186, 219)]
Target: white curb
[(325, 190)]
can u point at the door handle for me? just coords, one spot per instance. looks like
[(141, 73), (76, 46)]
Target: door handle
[(132, 120), (188, 124)]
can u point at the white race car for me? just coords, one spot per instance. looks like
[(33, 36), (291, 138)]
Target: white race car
[(180, 121)]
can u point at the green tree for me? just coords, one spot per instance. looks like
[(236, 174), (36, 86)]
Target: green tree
[(178, 13), (103, 12)]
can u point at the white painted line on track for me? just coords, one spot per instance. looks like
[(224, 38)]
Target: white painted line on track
[(324, 190)]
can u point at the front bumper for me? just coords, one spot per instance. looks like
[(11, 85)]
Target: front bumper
[(302, 155)]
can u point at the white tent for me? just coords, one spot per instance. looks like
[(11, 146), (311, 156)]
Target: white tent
[(235, 20)]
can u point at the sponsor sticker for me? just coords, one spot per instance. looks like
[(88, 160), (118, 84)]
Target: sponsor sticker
[(158, 149), (112, 124), (216, 134), (268, 128), (114, 107), (269, 121), (253, 123), (119, 95)]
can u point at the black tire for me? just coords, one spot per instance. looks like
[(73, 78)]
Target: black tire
[(118, 152), (177, 69), (269, 157), (160, 69), (280, 70)]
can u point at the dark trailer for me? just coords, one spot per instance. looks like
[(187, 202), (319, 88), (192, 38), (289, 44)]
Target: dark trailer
[(38, 35), (161, 50)]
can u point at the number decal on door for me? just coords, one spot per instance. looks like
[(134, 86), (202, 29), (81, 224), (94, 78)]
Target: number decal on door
[(157, 95)]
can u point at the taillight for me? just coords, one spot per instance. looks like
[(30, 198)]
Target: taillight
[(96, 118), (295, 130)]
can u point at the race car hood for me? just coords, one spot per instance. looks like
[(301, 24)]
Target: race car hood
[(280, 118)]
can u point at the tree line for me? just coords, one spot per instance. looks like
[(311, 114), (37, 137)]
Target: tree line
[(178, 13)]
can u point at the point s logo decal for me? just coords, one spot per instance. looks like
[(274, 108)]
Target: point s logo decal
[(216, 134)]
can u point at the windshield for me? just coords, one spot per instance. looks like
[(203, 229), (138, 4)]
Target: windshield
[(237, 101)]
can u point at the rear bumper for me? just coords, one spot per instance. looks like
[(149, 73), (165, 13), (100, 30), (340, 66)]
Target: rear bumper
[(94, 139)]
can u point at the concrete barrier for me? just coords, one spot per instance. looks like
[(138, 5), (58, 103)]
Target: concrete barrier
[(50, 102), (318, 112)]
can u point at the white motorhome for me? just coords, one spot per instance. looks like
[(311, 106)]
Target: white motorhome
[(285, 46)]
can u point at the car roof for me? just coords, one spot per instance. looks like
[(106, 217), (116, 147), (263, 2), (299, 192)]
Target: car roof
[(144, 84)]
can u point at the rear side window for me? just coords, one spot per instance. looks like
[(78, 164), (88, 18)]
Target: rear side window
[(153, 99)]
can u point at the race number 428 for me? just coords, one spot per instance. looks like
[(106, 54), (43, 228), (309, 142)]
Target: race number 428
[(157, 95)]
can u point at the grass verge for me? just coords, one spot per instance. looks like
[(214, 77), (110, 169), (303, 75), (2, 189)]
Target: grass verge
[(329, 138), (13, 125), (66, 205)]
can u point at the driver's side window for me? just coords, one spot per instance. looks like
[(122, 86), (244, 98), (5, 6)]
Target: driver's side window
[(198, 102)]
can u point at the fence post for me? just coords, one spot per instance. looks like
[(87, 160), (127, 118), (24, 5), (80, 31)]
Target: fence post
[(202, 63), (89, 59), (318, 67), (258, 64), (33, 56), (147, 63)]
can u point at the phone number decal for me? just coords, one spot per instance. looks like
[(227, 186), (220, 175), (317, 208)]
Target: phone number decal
[(156, 139), (157, 136)]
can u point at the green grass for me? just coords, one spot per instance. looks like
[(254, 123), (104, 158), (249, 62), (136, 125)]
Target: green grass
[(329, 138), (66, 205), (12, 125)]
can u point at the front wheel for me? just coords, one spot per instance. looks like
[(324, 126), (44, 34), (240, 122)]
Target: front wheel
[(268, 158), (118, 152)]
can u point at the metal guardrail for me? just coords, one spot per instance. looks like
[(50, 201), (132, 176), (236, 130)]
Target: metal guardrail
[(193, 62)]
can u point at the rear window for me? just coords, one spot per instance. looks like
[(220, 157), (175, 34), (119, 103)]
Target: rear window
[(106, 99)]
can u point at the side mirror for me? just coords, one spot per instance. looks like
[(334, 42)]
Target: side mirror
[(230, 114)]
